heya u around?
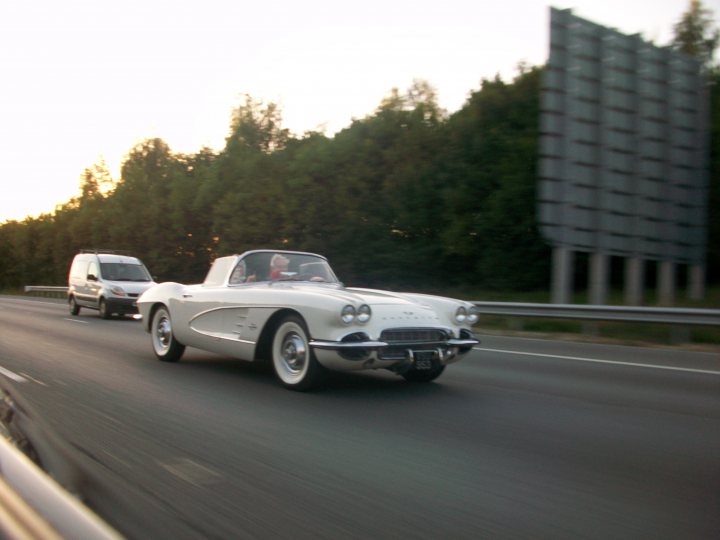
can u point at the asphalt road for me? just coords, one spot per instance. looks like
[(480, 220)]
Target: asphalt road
[(521, 439)]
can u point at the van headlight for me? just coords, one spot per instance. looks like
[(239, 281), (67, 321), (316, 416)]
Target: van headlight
[(117, 291)]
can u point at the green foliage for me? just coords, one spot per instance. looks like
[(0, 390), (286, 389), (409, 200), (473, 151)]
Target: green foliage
[(493, 158), (406, 198), (696, 33)]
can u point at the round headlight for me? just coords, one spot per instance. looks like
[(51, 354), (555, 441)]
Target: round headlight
[(364, 313), (473, 315), (347, 315), (461, 314)]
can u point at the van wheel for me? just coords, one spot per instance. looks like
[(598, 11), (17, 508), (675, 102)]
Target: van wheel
[(73, 305), (104, 313)]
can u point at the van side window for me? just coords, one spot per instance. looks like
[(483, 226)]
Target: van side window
[(93, 270)]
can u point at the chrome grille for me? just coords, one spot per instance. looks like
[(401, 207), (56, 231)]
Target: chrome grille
[(416, 339)]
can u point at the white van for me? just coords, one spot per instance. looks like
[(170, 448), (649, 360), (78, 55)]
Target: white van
[(106, 281)]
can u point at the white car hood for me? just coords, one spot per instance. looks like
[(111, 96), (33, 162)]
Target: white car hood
[(372, 297)]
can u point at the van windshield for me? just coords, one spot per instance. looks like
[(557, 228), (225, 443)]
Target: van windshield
[(124, 272)]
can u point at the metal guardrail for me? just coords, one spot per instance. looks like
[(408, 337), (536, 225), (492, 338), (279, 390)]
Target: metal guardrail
[(36, 506), (40, 288), (50, 292), (663, 315)]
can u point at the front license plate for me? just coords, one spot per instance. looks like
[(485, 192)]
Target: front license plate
[(423, 360)]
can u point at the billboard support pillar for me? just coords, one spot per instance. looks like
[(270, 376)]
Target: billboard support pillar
[(634, 281), (599, 278), (562, 275), (666, 283)]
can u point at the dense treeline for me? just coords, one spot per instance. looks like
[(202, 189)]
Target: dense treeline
[(409, 197)]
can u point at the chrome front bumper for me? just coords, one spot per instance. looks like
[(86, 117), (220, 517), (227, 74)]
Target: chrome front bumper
[(371, 354)]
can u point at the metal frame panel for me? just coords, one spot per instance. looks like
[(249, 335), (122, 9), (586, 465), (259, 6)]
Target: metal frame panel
[(624, 145)]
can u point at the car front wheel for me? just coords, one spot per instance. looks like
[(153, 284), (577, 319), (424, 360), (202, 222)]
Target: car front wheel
[(293, 360), (165, 346)]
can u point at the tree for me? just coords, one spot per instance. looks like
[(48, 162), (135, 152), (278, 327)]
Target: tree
[(96, 181), (491, 172), (257, 127), (696, 34)]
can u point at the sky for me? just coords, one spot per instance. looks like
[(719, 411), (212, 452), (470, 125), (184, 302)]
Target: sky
[(84, 81)]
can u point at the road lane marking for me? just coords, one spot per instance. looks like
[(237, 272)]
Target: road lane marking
[(12, 375), (33, 379), (191, 471), (76, 320), (597, 361)]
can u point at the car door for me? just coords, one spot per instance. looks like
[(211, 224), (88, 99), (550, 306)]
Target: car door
[(215, 319), (86, 288)]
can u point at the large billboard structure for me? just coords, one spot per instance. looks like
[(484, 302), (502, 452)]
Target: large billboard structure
[(623, 155)]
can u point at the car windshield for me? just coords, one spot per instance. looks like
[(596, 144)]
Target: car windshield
[(282, 266), (124, 272)]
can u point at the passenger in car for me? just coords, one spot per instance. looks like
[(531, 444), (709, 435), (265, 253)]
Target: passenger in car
[(278, 265)]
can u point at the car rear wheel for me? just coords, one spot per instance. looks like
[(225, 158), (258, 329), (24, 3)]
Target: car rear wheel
[(425, 375), (165, 346), (73, 305), (293, 360)]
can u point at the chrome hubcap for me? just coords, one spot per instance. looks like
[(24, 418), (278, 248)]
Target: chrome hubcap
[(294, 352), (164, 333)]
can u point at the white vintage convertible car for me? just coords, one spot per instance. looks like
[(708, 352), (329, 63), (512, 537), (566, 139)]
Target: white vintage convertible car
[(290, 308)]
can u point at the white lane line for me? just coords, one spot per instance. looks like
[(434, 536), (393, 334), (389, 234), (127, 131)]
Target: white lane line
[(596, 361), (191, 471), (12, 375), (76, 320), (33, 379)]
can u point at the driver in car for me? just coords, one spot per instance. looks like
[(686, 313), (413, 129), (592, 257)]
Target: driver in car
[(278, 265)]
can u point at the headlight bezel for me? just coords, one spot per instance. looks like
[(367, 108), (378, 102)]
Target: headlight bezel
[(363, 314), (347, 314), (117, 290)]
